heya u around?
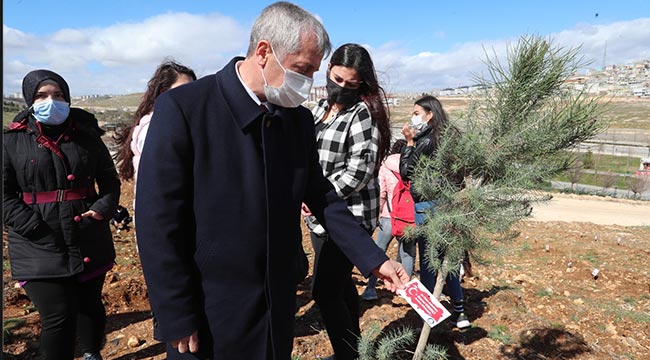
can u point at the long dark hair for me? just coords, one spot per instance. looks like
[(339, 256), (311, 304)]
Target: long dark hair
[(356, 57), (162, 80), (439, 121)]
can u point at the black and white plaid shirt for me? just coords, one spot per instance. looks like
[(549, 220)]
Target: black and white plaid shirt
[(347, 150)]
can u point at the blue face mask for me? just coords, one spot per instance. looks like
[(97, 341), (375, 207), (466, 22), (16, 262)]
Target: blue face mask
[(51, 112)]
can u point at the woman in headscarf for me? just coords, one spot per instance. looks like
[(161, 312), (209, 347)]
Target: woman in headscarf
[(60, 189)]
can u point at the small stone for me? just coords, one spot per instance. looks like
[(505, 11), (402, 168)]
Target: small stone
[(523, 278), (578, 301), (611, 329), (133, 342), (547, 248)]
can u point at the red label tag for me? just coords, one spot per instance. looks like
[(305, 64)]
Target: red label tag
[(429, 308)]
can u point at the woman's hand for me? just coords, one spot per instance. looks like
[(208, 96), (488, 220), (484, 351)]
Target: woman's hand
[(408, 133), (93, 214)]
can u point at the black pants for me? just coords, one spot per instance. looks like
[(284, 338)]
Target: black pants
[(67, 307), (336, 296)]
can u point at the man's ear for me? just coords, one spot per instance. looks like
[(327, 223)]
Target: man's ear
[(262, 52)]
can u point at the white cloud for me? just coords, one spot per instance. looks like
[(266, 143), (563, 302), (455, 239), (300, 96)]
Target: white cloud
[(627, 42), (121, 58)]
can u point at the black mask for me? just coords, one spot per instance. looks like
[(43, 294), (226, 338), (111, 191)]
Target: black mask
[(337, 94)]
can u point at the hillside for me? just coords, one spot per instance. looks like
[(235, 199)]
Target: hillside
[(524, 302)]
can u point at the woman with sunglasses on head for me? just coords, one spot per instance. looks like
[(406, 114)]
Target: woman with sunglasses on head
[(353, 136)]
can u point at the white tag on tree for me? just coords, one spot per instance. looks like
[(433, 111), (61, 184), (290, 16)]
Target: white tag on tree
[(420, 299)]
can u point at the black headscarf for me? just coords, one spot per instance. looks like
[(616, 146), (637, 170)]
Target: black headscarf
[(32, 80)]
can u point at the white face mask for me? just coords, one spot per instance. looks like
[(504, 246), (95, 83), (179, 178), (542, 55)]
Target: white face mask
[(416, 121), (294, 90)]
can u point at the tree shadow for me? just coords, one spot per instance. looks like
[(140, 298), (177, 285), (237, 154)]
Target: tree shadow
[(146, 353), (121, 320), (309, 323), (304, 292), (546, 343), (383, 297), (445, 334), (475, 304)]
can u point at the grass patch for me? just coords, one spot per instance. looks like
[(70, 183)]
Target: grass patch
[(8, 325), (8, 116), (620, 313), (592, 257), (500, 333), (630, 300), (627, 114), (543, 293), (599, 168)]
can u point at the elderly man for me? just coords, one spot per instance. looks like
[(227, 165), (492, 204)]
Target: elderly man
[(229, 160)]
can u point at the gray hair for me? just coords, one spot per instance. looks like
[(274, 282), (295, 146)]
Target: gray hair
[(283, 24)]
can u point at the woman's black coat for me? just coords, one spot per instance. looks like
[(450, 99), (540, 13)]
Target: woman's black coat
[(45, 241)]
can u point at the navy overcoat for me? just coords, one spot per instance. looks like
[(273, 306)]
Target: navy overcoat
[(219, 191)]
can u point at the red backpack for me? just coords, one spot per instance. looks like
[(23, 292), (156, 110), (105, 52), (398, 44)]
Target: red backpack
[(402, 210)]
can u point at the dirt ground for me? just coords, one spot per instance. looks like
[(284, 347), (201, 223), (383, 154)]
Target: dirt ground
[(524, 302)]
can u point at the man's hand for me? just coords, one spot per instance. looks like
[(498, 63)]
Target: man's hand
[(393, 274), (190, 343)]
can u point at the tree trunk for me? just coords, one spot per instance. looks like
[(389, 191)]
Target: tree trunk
[(426, 329)]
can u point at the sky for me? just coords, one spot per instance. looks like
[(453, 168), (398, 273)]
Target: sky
[(113, 47)]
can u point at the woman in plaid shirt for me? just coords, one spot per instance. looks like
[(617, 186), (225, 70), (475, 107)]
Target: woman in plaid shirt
[(353, 136)]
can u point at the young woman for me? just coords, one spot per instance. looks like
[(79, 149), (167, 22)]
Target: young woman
[(353, 137), (422, 137), (130, 140), (60, 243)]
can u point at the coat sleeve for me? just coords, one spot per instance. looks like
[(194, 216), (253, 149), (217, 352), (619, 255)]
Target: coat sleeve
[(410, 155), (165, 222), (384, 174), (17, 215), (108, 183), (332, 212)]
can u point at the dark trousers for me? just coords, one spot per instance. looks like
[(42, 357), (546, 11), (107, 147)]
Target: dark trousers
[(336, 296), (67, 307)]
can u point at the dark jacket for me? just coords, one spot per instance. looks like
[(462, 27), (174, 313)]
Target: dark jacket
[(45, 241), (424, 146), (219, 191)]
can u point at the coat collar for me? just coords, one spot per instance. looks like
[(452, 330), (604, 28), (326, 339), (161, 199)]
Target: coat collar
[(425, 132), (243, 109)]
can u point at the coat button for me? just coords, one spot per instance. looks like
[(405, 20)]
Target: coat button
[(86, 259), (77, 218), (70, 177)]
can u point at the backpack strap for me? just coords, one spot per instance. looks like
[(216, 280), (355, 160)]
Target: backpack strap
[(399, 178)]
